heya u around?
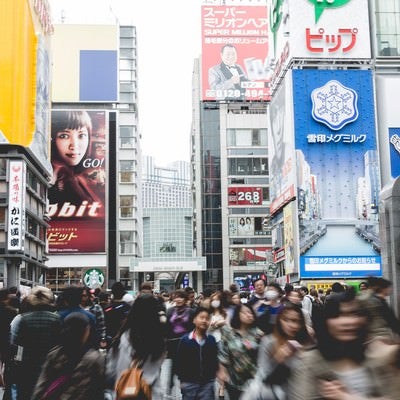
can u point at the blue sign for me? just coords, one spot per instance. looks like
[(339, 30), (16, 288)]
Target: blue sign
[(394, 143), (338, 179)]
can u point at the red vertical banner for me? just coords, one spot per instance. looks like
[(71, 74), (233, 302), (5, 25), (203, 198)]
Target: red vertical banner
[(77, 200), (235, 53)]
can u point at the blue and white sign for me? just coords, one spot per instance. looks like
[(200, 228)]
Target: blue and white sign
[(334, 105), (394, 143), (338, 179)]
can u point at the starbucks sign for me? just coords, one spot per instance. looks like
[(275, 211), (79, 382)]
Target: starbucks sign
[(94, 278)]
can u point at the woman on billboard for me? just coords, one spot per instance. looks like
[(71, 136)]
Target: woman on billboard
[(70, 144)]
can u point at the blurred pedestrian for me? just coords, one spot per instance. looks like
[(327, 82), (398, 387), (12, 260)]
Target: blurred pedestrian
[(72, 297), (238, 351), (117, 311), (278, 354), (73, 370), (7, 314), (338, 368), (141, 339), (88, 303), (197, 360), (383, 319), (191, 297), (218, 316), (179, 323), (34, 333)]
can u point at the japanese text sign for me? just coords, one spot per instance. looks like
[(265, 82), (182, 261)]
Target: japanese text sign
[(16, 205)]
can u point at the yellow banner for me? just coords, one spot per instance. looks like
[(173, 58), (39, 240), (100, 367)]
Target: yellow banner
[(18, 46)]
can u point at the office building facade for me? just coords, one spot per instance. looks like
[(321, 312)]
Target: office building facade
[(98, 250)]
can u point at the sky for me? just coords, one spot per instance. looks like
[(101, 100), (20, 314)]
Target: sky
[(168, 40)]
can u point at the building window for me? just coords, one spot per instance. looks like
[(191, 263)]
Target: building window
[(3, 167), (32, 226), (127, 244), (126, 174), (248, 166), (246, 137), (126, 204), (168, 248), (126, 137), (387, 28)]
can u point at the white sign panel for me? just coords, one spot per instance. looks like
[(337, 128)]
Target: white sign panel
[(329, 29), (170, 266), (16, 201), (315, 29)]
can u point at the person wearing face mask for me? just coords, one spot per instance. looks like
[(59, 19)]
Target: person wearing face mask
[(267, 309), (218, 316), (273, 294)]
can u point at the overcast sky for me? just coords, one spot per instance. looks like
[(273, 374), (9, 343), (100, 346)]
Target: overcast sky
[(168, 42)]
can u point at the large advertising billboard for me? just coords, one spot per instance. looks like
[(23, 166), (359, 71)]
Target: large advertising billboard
[(280, 148), (316, 29), (330, 29), (248, 256), (77, 197), (387, 101), (88, 55), (234, 53), (248, 226), (25, 79), (338, 179)]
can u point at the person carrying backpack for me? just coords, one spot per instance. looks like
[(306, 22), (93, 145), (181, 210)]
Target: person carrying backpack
[(140, 344)]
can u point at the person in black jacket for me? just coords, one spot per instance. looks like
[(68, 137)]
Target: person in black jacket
[(197, 360)]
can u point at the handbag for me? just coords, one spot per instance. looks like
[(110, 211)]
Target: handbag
[(131, 385)]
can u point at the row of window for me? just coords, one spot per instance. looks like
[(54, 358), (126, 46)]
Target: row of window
[(387, 27)]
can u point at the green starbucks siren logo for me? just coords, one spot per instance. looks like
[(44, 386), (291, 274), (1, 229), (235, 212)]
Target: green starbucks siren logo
[(320, 5)]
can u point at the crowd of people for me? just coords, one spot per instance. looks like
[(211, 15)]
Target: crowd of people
[(280, 344)]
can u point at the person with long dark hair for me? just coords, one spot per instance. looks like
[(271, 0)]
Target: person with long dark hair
[(141, 339), (339, 368), (238, 351), (73, 370), (278, 353)]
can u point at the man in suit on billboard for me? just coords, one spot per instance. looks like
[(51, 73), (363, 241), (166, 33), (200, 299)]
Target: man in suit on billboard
[(226, 77)]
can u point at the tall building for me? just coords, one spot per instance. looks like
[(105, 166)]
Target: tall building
[(25, 168), (323, 169), (92, 240), (168, 260), (229, 145), (166, 187)]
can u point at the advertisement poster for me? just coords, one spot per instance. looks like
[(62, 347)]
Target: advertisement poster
[(234, 53), (329, 29), (337, 174), (248, 256), (239, 196), (394, 143), (248, 226), (288, 225), (281, 154), (77, 196)]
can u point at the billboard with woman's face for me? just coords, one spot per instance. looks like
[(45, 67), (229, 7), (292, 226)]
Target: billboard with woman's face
[(77, 196)]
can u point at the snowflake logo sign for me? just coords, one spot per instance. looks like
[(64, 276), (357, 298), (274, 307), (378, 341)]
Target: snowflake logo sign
[(334, 105)]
